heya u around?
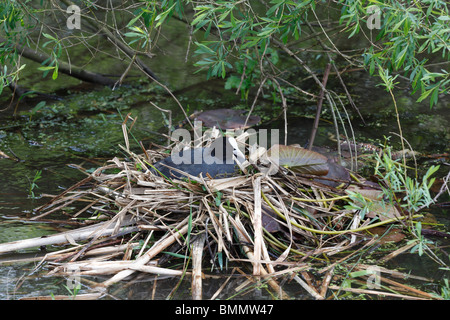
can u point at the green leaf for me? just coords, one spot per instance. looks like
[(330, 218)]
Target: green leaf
[(204, 49), (274, 8), (397, 26), (434, 96), (46, 68), (199, 18), (401, 58), (251, 43), (432, 76), (223, 70), (49, 37), (372, 66), (204, 62), (208, 30), (162, 16), (133, 21), (135, 28), (267, 31), (355, 30), (176, 255), (55, 73), (133, 34), (218, 199), (424, 46), (424, 95), (39, 106), (232, 82)]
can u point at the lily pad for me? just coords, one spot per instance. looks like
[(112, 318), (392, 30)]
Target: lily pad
[(227, 119), (298, 159)]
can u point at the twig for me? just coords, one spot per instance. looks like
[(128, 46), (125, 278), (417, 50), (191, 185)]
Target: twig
[(410, 289), (60, 238), (375, 292), (441, 191), (254, 101), (214, 296), (326, 282), (163, 243), (257, 226), (83, 296), (169, 139), (308, 289), (396, 252), (319, 107), (78, 184)]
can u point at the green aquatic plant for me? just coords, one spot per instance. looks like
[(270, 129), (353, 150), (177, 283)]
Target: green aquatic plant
[(73, 290), (445, 290), (33, 184), (421, 241), (409, 193)]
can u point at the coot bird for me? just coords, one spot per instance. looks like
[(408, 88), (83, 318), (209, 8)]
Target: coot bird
[(216, 161)]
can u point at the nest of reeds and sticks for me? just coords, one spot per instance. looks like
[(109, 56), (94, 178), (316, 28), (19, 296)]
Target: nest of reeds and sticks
[(272, 225)]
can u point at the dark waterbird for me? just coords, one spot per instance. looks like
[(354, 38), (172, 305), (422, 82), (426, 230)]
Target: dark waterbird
[(216, 161)]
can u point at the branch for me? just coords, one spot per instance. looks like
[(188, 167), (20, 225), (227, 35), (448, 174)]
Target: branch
[(63, 67), (319, 107), (122, 46)]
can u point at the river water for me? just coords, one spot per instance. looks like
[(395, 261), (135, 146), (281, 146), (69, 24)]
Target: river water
[(55, 140)]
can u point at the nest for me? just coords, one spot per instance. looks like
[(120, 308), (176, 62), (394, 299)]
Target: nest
[(272, 227)]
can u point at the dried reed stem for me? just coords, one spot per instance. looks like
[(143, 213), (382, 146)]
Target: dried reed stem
[(197, 274)]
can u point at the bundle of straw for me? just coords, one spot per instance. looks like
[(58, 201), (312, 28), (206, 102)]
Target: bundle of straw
[(282, 224)]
